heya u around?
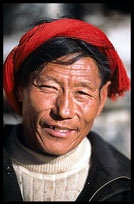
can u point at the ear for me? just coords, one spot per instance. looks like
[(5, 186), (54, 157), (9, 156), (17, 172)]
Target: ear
[(103, 97)]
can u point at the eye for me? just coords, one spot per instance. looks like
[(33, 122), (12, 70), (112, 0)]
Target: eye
[(47, 87), (82, 93)]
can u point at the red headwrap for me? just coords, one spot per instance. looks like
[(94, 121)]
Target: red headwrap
[(67, 28)]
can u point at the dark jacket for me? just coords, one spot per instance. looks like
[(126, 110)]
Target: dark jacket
[(108, 178)]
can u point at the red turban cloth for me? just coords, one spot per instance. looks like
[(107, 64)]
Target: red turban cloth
[(68, 28)]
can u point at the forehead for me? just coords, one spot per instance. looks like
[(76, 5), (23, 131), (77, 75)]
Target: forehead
[(84, 69), (83, 65)]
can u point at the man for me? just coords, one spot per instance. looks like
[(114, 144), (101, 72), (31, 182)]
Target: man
[(58, 79)]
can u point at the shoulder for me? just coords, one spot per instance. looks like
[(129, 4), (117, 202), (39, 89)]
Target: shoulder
[(8, 129), (108, 156), (11, 191), (109, 174), (10, 184)]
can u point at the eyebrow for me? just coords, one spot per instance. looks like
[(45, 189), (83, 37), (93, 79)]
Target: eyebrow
[(85, 84), (49, 78)]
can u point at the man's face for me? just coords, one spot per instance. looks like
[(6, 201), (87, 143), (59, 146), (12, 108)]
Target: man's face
[(60, 105)]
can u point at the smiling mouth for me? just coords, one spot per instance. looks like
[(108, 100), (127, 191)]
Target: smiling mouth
[(60, 129)]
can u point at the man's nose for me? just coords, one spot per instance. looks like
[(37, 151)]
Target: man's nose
[(64, 107)]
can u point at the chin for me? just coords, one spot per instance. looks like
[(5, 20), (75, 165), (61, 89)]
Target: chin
[(56, 151)]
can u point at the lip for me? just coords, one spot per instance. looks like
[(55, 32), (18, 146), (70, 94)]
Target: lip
[(59, 131)]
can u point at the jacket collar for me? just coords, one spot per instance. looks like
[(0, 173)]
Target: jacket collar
[(108, 173)]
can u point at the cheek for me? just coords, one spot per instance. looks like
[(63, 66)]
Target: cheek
[(88, 111), (39, 102)]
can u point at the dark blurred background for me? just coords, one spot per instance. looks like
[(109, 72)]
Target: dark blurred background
[(114, 19)]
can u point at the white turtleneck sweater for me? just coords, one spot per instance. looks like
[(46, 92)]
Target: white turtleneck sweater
[(50, 178)]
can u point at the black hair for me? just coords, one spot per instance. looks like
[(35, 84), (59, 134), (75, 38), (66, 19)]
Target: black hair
[(57, 47)]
